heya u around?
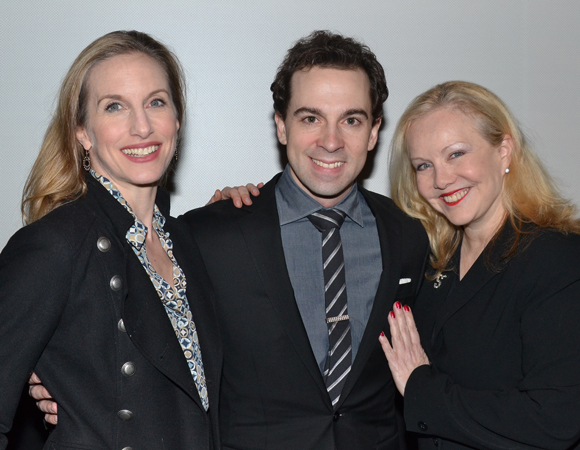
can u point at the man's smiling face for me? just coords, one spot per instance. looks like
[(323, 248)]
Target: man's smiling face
[(328, 131)]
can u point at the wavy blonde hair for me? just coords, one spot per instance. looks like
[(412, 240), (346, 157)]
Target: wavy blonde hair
[(529, 192), (57, 175)]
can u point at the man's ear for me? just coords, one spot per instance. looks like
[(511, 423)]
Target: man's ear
[(280, 128), (83, 137), (374, 133)]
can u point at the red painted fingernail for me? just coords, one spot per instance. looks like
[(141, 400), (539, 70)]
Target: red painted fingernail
[(407, 308), (398, 305), (382, 334), (392, 314)]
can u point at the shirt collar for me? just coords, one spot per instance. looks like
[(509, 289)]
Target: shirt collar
[(137, 233), (295, 204)]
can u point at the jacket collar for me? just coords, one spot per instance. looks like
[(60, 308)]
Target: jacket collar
[(120, 218)]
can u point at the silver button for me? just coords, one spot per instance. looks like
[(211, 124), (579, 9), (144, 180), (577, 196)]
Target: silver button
[(127, 448), (125, 415), (121, 326), (128, 369), (116, 283), (103, 244)]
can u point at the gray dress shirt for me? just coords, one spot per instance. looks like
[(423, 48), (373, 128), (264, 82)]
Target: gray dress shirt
[(303, 253)]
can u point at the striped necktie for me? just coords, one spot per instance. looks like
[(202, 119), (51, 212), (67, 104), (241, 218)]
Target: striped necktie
[(339, 358)]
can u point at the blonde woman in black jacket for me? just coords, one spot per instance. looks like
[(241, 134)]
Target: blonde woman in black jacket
[(495, 363)]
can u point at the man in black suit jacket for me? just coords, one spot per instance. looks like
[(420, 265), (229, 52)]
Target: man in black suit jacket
[(328, 97)]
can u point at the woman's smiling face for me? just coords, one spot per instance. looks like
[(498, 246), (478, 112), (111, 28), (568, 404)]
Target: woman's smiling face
[(131, 129), (458, 172)]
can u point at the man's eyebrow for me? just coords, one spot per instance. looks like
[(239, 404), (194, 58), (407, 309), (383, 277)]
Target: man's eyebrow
[(356, 112), (318, 112), (305, 110)]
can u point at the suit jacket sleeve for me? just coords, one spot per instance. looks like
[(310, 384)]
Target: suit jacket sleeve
[(541, 409), (35, 275)]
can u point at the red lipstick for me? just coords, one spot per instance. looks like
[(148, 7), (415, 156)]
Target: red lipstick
[(455, 196)]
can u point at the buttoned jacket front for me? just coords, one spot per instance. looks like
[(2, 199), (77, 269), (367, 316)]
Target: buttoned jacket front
[(77, 307)]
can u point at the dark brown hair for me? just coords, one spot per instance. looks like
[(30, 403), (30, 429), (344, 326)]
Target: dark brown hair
[(329, 50)]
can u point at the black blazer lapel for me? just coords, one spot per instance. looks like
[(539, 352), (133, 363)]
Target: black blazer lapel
[(487, 266), (391, 247), (261, 231), (144, 312), (461, 294), (201, 304)]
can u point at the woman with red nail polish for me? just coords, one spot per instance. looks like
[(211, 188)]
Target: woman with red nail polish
[(490, 356)]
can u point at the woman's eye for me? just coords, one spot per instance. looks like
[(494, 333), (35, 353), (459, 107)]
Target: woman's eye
[(112, 107), (456, 154), (157, 102), (421, 167)]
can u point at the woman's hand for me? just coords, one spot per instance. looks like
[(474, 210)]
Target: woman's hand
[(240, 195), (406, 353), (44, 400)]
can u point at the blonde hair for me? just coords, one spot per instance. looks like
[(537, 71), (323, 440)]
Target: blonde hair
[(57, 176), (529, 193)]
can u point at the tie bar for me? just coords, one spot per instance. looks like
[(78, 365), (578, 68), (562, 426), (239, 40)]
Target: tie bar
[(337, 318)]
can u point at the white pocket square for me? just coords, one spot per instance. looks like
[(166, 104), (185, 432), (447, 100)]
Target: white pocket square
[(404, 280)]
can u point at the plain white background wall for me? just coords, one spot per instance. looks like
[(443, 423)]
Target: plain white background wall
[(527, 52)]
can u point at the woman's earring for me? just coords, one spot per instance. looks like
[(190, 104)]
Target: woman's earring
[(507, 170), (175, 154), (87, 161)]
